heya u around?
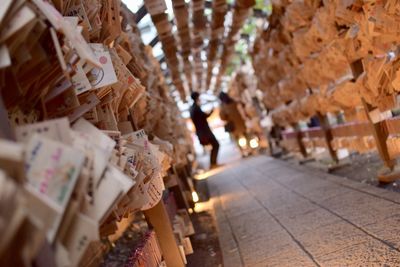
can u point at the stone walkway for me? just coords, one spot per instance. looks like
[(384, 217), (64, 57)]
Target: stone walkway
[(272, 213)]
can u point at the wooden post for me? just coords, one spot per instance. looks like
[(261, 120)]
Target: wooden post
[(130, 117), (380, 136), (179, 193), (302, 148), (6, 131), (187, 185), (324, 122), (183, 178), (158, 218)]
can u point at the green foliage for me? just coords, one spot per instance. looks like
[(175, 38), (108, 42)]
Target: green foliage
[(249, 28), (264, 5)]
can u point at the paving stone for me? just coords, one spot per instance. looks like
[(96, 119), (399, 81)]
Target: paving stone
[(332, 237), (240, 206), (323, 192), (227, 241), (370, 253), (270, 213), (380, 192), (289, 204), (307, 222), (361, 209), (254, 225), (263, 248), (308, 184), (266, 188), (386, 229), (229, 247), (287, 175), (292, 256), (297, 180), (256, 180)]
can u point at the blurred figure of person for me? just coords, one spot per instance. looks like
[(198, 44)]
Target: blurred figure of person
[(314, 122), (203, 131), (229, 112)]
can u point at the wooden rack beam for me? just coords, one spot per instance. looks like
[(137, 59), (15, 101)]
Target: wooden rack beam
[(5, 128), (154, 41), (158, 218), (298, 136), (140, 14), (324, 121), (380, 136)]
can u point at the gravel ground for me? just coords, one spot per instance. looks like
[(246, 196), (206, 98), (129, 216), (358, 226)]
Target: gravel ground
[(123, 250), (205, 243), (207, 252), (363, 168)]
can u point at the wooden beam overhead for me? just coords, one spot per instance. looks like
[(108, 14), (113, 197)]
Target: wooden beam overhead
[(154, 41), (140, 14)]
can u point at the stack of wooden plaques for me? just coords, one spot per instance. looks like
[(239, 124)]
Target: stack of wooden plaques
[(340, 46), (157, 9), (240, 13), (217, 29), (182, 22), (317, 58), (95, 129), (243, 90), (198, 30)]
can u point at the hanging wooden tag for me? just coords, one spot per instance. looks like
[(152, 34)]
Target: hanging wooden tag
[(22, 18), (52, 170), (5, 59), (155, 7), (80, 80), (79, 11), (104, 76), (89, 103), (56, 130)]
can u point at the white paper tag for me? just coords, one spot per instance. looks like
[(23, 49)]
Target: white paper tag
[(80, 81), (79, 11), (137, 138), (140, 196), (5, 59), (5, 5), (101, 144), (90, 102), (59, 88), (73, 35), (105, 75), (154, 192), (24, 16), (113, 185), (187, 245), (82, 231), (56, 130), (52, 170)]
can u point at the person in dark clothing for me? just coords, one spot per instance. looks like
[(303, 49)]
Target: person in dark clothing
[(235, 124), (314, 122), (229, 112), (203, 131)]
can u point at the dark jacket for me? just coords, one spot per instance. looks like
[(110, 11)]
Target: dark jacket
[(230, 113), (199, 119)]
